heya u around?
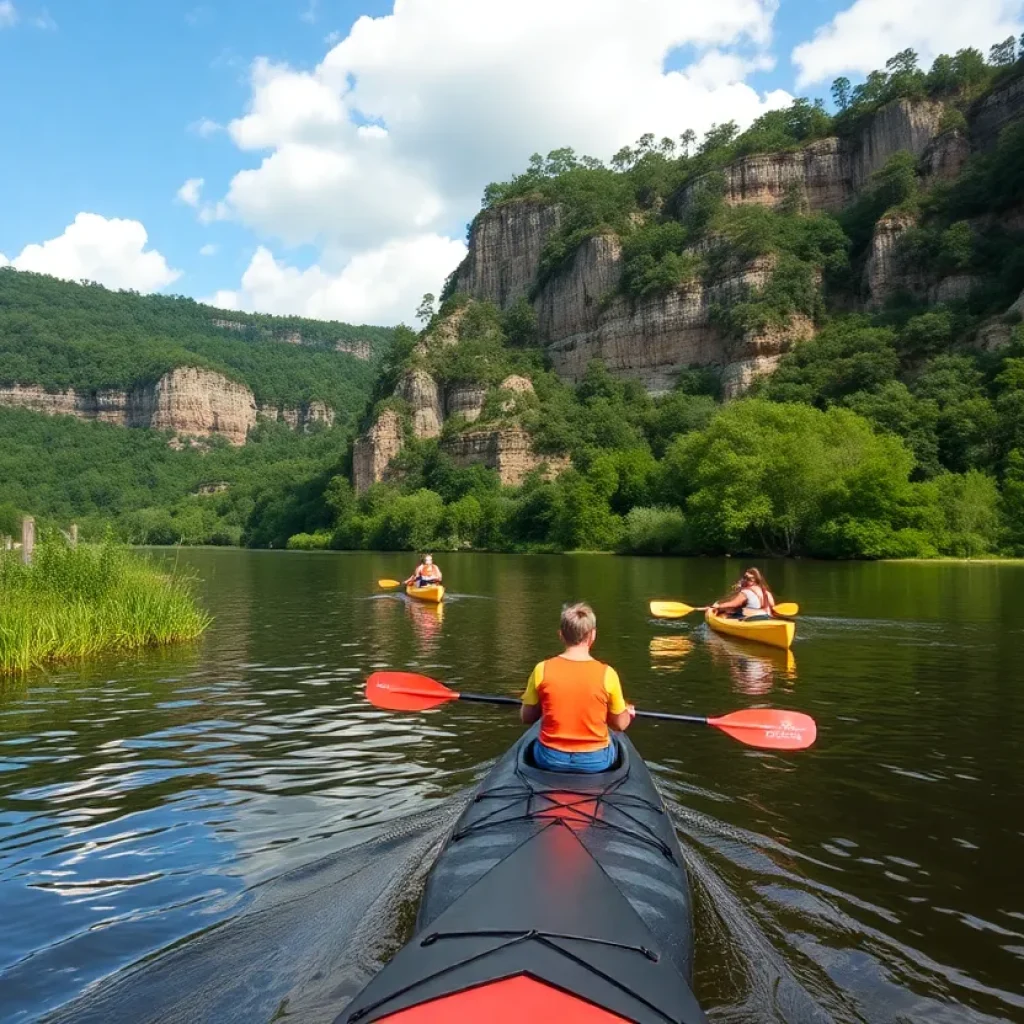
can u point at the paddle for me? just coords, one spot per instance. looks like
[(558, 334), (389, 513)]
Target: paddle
[(388, 584), (677, 610), (766, 728)]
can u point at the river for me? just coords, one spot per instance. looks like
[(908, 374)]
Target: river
[(229, 832)]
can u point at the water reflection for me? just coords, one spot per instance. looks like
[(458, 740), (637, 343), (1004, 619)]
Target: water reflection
[(236, 815), (669, 652), (753, 668)]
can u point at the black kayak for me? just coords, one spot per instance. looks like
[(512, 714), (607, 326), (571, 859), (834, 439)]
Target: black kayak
[(556, 897)]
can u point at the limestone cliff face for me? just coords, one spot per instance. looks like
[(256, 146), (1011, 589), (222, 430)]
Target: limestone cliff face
[(884, 276), (992, 114), (819, 174), (504, 251), (508, 450), (757, 354), (373, 452), (465, 400), (201, 403), (826, 174), (298, 417), (908, 125), (649, 339), (187, 400), (945, 156), (420, 390)]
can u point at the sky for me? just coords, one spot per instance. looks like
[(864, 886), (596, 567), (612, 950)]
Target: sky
[(324, 157)]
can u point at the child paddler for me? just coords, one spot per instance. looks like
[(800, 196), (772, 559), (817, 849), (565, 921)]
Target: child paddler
[(577, 700)]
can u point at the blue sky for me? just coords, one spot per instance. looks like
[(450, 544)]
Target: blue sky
[(103, 100)]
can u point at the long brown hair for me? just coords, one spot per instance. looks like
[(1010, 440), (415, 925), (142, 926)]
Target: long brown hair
[(759, 580)]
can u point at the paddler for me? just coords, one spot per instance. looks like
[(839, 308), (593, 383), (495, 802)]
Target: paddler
[(577, 700), (752, 600), (426, 575)]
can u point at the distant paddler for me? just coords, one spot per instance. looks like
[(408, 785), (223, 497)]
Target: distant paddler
[(752, 599), (427, 574)]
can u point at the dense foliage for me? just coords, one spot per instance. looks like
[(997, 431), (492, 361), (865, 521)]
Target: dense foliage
[(60, 335)]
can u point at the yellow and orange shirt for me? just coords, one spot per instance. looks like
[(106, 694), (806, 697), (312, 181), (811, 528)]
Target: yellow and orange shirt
[(575, 700)]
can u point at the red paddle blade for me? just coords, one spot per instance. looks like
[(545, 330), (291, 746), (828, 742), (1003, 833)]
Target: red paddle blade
[(768, 728), (406, 691)]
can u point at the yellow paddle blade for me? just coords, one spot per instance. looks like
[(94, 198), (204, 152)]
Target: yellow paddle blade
[(669, 609), (388, 584), (788, 609)]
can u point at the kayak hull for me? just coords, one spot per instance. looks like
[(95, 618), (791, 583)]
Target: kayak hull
[(773, 632), (564, 893), (433, 594)]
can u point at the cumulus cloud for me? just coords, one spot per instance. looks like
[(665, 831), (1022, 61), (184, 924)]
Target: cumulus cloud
[(191, 192), (205, 127), (394, 135), (381, 285), (411, 114), (8, 14), (208, 250), (862, 37), (93, 248)]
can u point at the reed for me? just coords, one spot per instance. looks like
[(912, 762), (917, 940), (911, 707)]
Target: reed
[(73, 603)]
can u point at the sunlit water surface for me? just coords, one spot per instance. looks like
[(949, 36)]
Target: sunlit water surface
[(228, 832)]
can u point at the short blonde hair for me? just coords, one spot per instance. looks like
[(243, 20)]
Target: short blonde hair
[(578, 622)]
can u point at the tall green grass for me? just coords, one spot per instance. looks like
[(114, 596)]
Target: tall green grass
[(73, 603)]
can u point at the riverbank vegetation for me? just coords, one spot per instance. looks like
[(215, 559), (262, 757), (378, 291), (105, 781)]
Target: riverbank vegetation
[(71, 603)]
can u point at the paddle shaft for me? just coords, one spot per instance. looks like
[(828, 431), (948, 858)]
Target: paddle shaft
[(483, 698)]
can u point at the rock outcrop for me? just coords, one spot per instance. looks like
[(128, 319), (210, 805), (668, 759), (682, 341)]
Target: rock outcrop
[(827, 173), (505, 244), (884, 274), (465, 400), (991, 115), (374, 450), (359, 349), (945, 156), (758, 354), (186, 400), (651, 339), (299, 417), (201, 403), (509, 450), (420, 390)]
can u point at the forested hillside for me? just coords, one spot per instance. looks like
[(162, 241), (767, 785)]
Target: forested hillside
[(56, 336), (61, 335), (873, 312)]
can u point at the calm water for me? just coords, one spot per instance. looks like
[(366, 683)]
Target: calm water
[(230, 833)]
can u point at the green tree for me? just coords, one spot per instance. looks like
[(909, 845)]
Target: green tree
[(1003, 54), (841, 92)]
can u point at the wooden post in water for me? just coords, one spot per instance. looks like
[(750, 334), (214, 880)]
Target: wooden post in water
[(73, 535), (28, 539)]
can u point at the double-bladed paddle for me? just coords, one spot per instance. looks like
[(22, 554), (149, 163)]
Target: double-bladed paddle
[(678, 610), (766, 728), (388, 584)]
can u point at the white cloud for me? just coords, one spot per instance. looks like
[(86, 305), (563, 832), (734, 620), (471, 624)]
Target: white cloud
[(396, 132), (4, 261), (378, 286), (208, 250), (8, 14), (309, 14), (44, 21), (205, 127), (93, 248), (864, 36), (191, 192)]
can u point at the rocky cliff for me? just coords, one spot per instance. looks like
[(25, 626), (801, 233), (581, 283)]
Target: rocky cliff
[(504, 251), (994, 112), (505, 447), (186, 400)]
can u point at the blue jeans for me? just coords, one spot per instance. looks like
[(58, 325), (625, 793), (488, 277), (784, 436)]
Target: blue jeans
[(584, 761)]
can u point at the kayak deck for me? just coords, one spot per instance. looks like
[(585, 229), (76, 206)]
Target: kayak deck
[(774, 632), (572, 886), (432, 594)]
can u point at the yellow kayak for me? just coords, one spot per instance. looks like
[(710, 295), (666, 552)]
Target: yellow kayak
[(774, 632), (433, 593)]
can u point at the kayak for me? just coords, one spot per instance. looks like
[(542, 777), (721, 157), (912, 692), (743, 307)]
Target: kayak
[(774, 632), (432, 593), (556, 897)]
